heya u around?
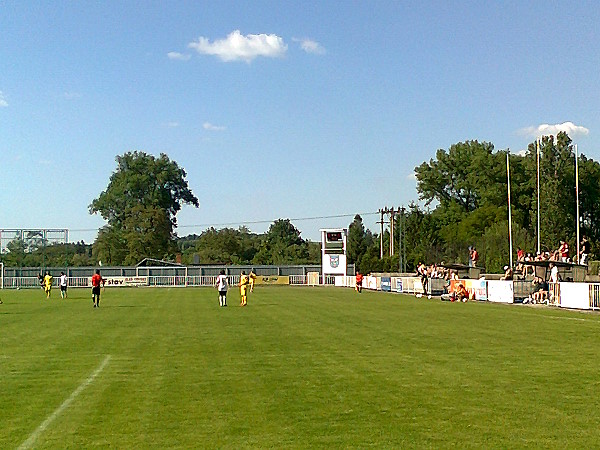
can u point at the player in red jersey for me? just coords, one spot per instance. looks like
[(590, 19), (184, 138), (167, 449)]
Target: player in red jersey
[(359, 280), (97, 280)]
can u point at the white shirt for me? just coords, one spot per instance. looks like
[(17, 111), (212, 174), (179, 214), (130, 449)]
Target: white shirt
[(222, 283), (554, 275), (63, 280)]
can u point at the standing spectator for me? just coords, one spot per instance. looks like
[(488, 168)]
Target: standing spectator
[(63, 285), (586, 249), (563, 251), (554, 276), (222, 286), (474, 257), (422, 271)]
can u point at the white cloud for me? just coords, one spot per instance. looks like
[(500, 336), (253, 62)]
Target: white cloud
[(239, 47), (310, 46), (545, 130), (3, 103), (171, 124), (210, 127), (179, 56), (72, 95)]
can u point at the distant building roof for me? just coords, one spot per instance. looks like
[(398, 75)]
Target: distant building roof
[(151, 262)]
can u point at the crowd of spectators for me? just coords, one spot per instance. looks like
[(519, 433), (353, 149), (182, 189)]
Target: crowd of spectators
[(562, 254)]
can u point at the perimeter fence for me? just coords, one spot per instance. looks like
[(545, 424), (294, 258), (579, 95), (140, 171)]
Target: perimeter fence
[(171, 276)]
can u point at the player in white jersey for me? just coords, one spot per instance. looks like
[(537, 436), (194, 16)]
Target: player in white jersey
[(63, 285), (222, 286)]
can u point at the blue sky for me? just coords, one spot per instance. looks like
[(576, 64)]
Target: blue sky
[(278, 109)]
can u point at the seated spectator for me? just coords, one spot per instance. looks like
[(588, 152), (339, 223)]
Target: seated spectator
[(540, 292), (508, 273), (461, 293), (527, 267)]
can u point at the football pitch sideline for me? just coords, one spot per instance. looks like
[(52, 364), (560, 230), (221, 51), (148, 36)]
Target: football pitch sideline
[(298, 367)]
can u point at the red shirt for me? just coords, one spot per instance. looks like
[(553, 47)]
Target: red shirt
[(359, 278), (96, 280)]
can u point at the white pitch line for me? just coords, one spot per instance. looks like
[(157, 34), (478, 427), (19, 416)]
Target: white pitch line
[(31, 439)]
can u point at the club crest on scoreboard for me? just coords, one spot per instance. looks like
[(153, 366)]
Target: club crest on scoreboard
[(334, 261)]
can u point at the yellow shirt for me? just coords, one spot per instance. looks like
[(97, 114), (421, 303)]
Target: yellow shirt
[(48, 281), (243, 280), (252, 277)]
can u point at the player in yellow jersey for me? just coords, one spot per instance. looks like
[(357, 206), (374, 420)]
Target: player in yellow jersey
[(244, 281), (252, 278), (48, 284)]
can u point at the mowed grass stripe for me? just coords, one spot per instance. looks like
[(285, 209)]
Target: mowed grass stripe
[(297, 368)]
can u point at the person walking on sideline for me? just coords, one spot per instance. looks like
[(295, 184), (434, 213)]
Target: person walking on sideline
[(63, 285), (222, 286), (97, 280)]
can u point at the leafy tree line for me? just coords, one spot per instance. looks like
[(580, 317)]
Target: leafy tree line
[(464, 190), (56, 255)]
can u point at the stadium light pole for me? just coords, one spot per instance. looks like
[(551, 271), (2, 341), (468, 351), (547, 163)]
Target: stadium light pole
[(577, 196), (509, 210), (537, 145), (403, 243)]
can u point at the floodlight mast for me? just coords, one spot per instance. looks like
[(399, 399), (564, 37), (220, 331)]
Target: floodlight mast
[(510, 249), (577, 197), (537, 145)]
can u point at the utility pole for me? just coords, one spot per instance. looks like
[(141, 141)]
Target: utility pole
[(381, 235), (391, 213)]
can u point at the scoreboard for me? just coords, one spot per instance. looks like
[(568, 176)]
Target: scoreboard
[(333, 251)]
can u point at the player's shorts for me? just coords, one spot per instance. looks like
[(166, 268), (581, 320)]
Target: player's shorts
[(96, 290), (359, 283), (48, 288), (223, 292), (243, 290), (63, 288)]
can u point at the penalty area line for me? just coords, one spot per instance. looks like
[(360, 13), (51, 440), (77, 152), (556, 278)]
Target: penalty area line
[(39, 430)]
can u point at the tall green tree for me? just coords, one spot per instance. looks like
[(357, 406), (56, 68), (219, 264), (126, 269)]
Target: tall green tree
[(140, 204), (283, 245), (357, 244)]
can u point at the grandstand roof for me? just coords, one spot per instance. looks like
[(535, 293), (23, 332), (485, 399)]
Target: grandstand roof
[(151, 262)]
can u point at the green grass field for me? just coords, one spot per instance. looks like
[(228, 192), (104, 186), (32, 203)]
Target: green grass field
[(298, 368)]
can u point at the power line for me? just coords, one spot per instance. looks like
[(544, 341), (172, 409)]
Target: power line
[(254, 222)]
